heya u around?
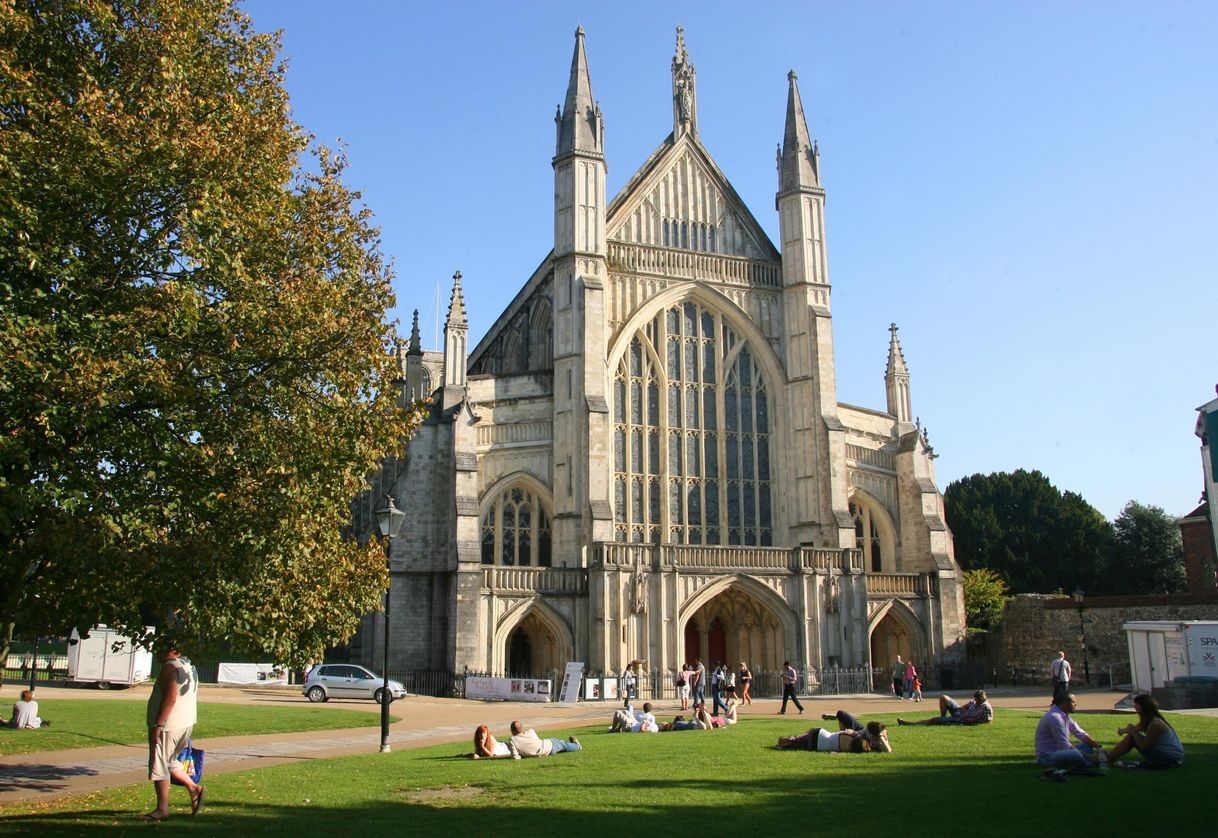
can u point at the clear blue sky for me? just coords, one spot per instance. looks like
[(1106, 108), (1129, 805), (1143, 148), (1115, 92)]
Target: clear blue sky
[(1027, 189)]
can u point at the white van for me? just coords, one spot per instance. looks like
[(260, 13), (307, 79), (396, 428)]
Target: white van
[(107, 659)]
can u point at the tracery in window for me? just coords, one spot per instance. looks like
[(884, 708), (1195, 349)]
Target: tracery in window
[(867, 537), (516, 530), (691, 434)]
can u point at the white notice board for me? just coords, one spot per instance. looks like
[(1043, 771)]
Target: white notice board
[(570, 681)]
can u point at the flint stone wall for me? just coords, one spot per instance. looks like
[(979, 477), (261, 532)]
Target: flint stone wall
[(1035, 626)]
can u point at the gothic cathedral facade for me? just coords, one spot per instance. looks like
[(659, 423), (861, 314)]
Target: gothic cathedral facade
[(644, 458)]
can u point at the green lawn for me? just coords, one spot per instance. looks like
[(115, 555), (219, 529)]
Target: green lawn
[(88, 723), (940, 781)]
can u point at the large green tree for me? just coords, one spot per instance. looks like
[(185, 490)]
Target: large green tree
[(194, 375), (1147, 552), (1036, 537)]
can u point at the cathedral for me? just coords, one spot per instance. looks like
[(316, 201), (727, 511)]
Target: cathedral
[(644, 458)]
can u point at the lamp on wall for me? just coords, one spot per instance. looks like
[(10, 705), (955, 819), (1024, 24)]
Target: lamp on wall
[(389, 520), (1079, 596)]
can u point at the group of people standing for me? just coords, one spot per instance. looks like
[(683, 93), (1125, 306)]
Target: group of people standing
[(726, 684), (905, 680)]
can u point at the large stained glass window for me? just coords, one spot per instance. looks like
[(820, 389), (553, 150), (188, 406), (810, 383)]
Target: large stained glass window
[(691, 435), (516, 530)]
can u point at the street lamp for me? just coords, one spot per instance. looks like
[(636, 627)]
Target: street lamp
[(389, 519), (1079, 596)]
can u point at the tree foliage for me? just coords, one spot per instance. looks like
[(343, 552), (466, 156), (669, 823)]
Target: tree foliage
[(1036, 538), (1147, 553), (194, 378), (985, 597)]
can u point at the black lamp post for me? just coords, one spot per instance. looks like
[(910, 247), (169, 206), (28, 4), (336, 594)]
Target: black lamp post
[(1079, 596), (389, 519)]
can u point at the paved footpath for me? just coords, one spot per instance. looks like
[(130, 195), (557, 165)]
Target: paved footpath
[(425, 721)]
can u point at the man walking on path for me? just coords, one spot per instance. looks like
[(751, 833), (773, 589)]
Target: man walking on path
[(898, 678), (1060, 670), (172, 713), (788, 688), (698, 683)]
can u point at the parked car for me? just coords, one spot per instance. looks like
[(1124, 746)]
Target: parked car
[(345, 680)]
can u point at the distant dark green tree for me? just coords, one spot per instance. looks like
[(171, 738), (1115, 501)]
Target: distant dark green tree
[(1036, 537), (1147, 552), (985, 597)]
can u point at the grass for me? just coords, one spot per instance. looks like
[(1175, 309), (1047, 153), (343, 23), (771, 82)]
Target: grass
[(88, 723), (940, 781)]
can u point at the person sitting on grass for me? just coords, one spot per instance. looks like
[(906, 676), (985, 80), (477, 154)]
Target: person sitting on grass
[(628, 721), (876, 733), (823, 739), (979, 711), (25, 713), (486, 746), (1153, 737), (526, 743), (1053, 732)]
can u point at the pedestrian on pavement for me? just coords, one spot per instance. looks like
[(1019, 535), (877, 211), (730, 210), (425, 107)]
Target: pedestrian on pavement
[(698, 682), (1060, 670), (172, 713), (746, 684), (789, 678), (898, 677)]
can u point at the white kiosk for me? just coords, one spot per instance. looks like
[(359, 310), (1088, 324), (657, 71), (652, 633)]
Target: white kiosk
[(1162, 651)]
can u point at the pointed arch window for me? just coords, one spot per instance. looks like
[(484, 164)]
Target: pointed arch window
[(867, 537), (516, 530), (691, 434)]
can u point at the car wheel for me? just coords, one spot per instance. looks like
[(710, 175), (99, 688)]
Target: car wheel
[(317, 694), (380, 694)]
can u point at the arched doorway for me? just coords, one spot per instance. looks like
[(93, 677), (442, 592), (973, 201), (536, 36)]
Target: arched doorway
[(535, 648), (897, 633), (737, 626)]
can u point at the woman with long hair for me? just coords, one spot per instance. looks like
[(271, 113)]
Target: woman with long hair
[(746, 684), (486, 746), (1153, 737)]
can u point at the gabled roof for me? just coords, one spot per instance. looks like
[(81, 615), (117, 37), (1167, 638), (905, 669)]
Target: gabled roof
[(508, 314), (672, 154)]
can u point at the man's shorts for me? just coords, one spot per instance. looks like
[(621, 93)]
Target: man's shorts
[(163, 750)]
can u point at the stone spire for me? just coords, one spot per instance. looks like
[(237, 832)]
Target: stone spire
[(799, 162), (456, 306), (456, 343), (416, 342), (579, 123), (684, 91), (896, 380)]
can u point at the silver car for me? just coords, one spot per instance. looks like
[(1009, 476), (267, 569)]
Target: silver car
[(345, 680)]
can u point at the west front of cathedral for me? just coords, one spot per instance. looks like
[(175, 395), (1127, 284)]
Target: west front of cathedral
[(644, 458)]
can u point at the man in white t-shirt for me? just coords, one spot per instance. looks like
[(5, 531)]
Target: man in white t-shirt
[(25, 713), (1060, 670), (629, 721), (172, 713)]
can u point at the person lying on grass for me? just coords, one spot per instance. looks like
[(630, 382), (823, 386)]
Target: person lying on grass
[(1053, 732), (629, 721), (526, 743), (703, 716), (979, 711), (682, 723), (1153, 737), (822, 739), (876, 733), (486, 746)]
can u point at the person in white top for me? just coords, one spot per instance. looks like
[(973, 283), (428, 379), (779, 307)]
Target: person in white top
[(172, 713), (1061, 672), (25, 713)]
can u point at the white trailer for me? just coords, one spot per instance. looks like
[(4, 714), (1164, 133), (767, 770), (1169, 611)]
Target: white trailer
[(106, 658), (1161, 651)]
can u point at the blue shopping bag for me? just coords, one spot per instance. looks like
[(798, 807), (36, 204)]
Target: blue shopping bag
[(192, 763)]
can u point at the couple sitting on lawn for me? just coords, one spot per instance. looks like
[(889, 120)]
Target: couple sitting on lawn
[(524, 743), (1153, 737), (852, 736)]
